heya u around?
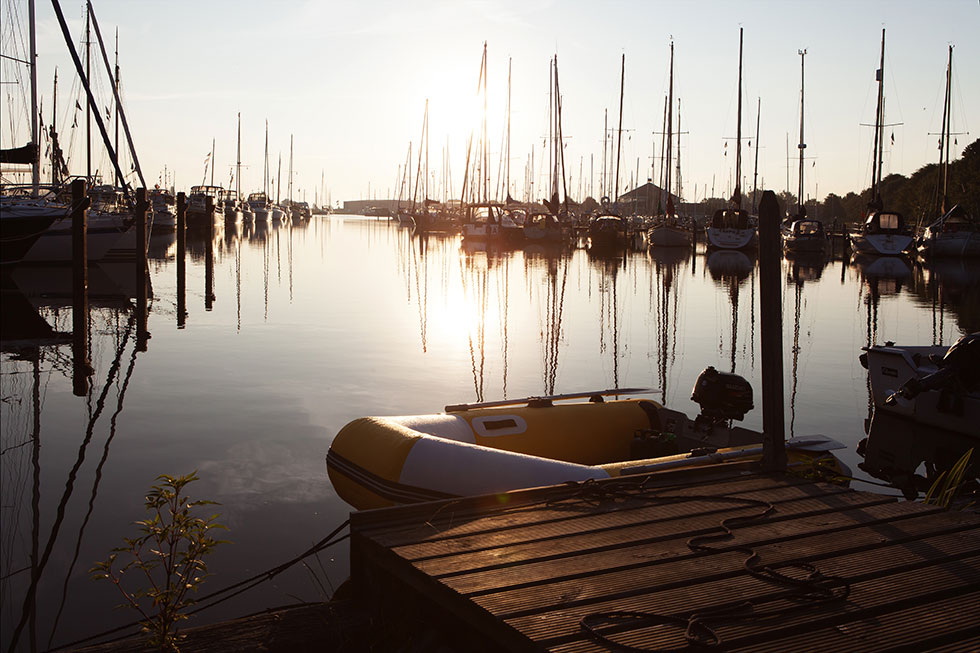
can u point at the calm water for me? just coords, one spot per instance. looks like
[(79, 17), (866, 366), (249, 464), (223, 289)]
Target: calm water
[(312, 326)]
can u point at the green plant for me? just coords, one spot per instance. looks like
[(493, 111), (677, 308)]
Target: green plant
[(169, 553), (948, 484)]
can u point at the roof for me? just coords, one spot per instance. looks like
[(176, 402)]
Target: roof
[(646, 192)]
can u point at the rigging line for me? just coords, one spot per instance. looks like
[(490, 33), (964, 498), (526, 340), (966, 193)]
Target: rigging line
[(247, 583)]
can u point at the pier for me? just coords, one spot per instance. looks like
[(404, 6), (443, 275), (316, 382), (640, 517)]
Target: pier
[(740, 559)]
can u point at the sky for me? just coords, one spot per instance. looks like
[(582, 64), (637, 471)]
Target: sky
[(349, 82)]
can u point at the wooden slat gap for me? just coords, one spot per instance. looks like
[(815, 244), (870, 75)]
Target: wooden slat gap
[(682, 535), (687, 582)]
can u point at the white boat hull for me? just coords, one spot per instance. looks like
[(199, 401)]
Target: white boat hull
[(883, 244), (889, 367), (55, 244), (727, 238)]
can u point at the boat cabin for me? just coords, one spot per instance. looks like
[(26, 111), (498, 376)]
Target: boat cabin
[(730, 219), (807, 229), (885, 222), (206, 191), (485, 214)]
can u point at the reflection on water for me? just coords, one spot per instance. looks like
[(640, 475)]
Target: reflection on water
[(911, 456), (276, 335)]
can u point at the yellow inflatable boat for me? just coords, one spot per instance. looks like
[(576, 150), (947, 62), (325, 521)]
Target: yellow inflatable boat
[(500, 446)]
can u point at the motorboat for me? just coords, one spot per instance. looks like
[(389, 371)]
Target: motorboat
[(499, 446), (805, 235), (607, 231), (934, 385)]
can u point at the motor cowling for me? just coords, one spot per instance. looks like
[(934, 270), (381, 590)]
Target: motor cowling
[(722, 396)]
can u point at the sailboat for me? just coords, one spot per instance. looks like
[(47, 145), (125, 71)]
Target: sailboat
[(805, 234), (545, 225), (668, 230), (956, 232), (607, 229), (883, 232), (732, 228), (35, 224)]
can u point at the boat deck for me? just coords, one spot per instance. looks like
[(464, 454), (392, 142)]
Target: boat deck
[(525, 570)]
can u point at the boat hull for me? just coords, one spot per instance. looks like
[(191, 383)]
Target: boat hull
[(728, 238), (890, 367), (964, 244), (667, 236), (882, 244), (380, 461)]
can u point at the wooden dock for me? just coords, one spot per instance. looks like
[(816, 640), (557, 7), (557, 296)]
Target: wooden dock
[(640, 561)]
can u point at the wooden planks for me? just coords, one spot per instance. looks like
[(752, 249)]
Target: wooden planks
[(524, 569)]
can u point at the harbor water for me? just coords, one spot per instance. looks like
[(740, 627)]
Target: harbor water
[(295, 330)]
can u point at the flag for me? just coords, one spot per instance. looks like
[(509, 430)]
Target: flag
[(78, 106), (893, 138), (878, 75)]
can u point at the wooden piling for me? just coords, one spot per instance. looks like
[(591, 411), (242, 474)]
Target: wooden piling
[(142, 336), (81, 366), (181, 263), (209, 259), (771, 326)]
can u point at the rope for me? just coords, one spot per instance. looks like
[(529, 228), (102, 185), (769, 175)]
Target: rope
[(812, 590), (242, 586)]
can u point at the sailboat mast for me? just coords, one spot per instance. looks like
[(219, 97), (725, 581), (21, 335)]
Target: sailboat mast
[(212, 162), (279, 179), (738, 136), (265, 167), (802, 145), (35, 136), (289, 191), (670, 125), (54, 131), (116, 85), (879, 129), (678, 185), (238, 160), (619, 137), (755, 172), (88, 106), (947, 120), (507, 161)]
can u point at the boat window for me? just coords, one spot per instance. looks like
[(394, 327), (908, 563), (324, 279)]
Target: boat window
[(888, 221), (493, 425)]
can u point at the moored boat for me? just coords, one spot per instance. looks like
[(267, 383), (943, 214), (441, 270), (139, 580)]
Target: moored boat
[(500, 446), (955, 234), (934, 385), (884, 233), (805, 235)]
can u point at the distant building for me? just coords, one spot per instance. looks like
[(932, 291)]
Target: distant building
[(371, 207), (642, 200)]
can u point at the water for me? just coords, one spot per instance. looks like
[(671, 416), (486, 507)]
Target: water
[(312, 326)]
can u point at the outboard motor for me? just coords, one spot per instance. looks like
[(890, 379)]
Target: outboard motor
[(722, 397), (958, 373)]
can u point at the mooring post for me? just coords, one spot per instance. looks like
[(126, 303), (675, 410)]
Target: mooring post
[(81, 367), (181, 264), (141, 269), (770, 303), (209, 259)]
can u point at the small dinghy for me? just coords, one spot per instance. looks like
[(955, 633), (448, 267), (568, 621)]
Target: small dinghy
[(932, 385), (486, 448)]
